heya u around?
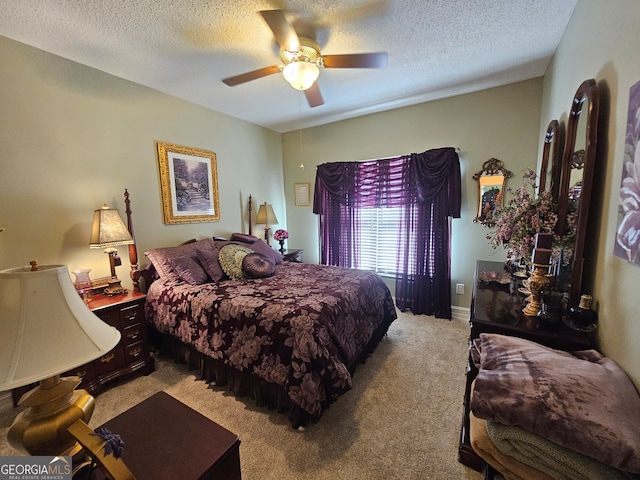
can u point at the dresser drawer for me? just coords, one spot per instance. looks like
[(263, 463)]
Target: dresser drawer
[(134, 352), (109, 362), (131, 315), (85, 372), (133, 334)]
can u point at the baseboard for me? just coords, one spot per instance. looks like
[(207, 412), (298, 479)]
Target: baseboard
[(460, 313)]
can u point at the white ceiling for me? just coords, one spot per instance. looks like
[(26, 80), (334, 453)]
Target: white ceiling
[(437, 48)]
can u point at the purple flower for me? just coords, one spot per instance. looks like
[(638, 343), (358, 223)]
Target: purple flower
[(280, 234), (114, 444), (524, 215)]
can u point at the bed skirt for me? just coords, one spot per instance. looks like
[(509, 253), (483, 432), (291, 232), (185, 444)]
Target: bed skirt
[(242, 384)]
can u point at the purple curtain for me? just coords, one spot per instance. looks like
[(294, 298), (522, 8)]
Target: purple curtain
[(427, 188)]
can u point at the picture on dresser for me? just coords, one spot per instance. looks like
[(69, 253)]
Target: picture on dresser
[(627, 242), (189, 182)]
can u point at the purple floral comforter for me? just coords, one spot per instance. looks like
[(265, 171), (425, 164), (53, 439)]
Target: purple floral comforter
[(302, 329)]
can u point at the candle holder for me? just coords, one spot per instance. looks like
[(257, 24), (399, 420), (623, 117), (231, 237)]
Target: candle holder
[(538, 283)]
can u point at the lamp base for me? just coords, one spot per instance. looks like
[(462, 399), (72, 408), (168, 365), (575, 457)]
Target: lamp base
[(41, 429)]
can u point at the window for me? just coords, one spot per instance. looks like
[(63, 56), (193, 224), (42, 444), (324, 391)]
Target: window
[(379, 229)]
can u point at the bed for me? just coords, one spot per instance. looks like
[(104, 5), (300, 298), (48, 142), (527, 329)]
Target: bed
[(290, 339)]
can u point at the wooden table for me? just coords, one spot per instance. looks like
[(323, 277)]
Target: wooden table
[(165, 439)]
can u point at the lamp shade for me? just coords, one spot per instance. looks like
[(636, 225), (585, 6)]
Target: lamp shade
[(108, 229), (266, 215), (301, 75), (45, 327)]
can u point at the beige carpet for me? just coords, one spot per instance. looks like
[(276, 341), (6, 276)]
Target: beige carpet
[(401, 420)]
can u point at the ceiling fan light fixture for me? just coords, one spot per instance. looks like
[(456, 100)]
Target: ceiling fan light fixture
[(301, 75)]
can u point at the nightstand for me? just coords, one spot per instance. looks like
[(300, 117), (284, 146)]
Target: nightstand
[(131, 355), (293, 256)]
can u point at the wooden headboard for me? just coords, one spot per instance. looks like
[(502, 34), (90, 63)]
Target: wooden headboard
[(133, 250)]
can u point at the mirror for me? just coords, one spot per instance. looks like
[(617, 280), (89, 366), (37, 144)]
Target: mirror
[(491, 181), (551, 160), (576, 178)]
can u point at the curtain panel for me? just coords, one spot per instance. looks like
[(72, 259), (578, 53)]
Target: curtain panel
[(426, 186)]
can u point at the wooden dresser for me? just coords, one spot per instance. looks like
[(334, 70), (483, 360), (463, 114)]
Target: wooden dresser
[(497, 308), (131, 355)]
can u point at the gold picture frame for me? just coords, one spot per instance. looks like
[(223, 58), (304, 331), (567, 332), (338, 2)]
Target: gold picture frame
[(189, 183), (302, 194)]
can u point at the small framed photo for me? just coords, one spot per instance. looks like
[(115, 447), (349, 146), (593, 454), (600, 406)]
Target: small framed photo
[(302, 196), (189, 183)]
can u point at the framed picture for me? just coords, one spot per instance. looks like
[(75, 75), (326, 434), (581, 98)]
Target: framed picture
[(189, 182), (301, 194), (627, 243)]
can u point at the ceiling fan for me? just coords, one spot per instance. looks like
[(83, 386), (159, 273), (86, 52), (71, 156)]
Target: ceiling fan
[(302, 60)]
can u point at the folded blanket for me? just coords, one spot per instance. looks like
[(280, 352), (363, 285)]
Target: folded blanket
[(582, 401), (509, 467), (558, 462)]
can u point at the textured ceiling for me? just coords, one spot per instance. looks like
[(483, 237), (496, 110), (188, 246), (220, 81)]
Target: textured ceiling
[(437, 48)]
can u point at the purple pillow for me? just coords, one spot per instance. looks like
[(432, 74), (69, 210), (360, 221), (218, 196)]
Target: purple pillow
[(256, 265), (189, 269), (209, 260), (161, 257), (254, 243), (244, 237), (260, 246)]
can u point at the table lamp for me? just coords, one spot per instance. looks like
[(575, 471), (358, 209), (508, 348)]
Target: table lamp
[(45, 330), (266, 217), (109, 231)]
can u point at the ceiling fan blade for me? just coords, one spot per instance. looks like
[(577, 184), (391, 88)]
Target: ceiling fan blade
[(314, 97), (356, 60), (253, 75), (283, 31)]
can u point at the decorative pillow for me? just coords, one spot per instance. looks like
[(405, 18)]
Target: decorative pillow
[(256, 265), (260, 246), (189, 269), (209, 260), (244, 237), (230, 258), (160, 257), (256, 244)]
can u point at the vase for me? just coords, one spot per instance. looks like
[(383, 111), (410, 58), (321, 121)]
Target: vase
[(83, 284), (82, 279), (281, 242)]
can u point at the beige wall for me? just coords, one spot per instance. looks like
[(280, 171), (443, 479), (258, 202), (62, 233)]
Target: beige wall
[(500, 122), (601, 42), (74, 138)]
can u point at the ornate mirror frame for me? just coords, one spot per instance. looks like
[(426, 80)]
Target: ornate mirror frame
[(491, 182), (550, 167), (575, 189)]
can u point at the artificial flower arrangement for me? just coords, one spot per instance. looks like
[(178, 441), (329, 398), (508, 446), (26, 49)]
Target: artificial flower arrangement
[(280, 235), (526, 214)]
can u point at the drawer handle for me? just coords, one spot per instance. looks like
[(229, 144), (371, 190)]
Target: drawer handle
[(131, 315), (132, 335), (108, 358), (135, 352)]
